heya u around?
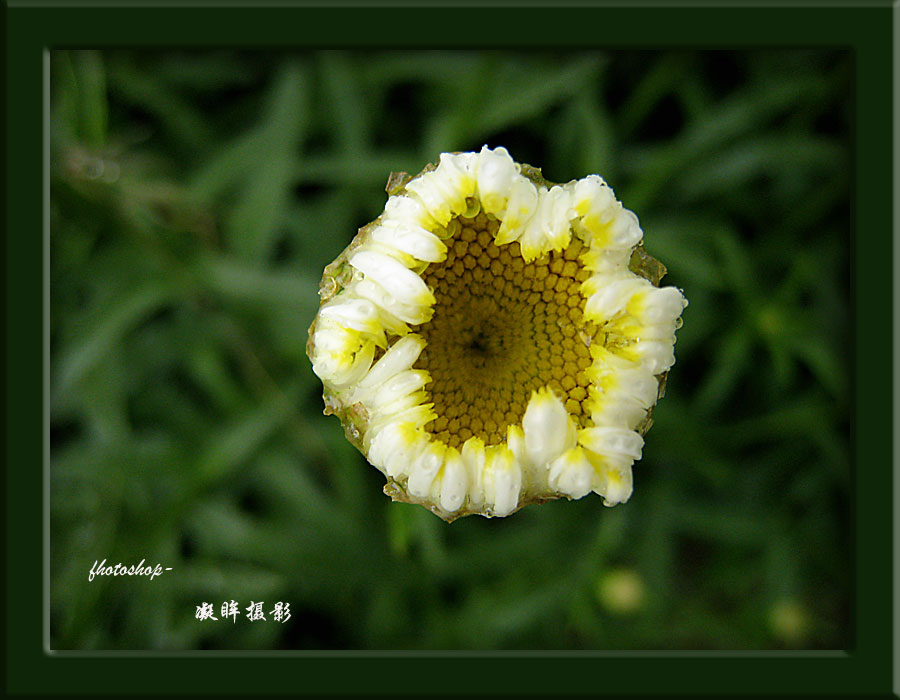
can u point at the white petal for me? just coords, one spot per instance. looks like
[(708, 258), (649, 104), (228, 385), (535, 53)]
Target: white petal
[(444, 190), (358, 314), (625, 230), (608, 296), (399, 281), (336, 338), (618, 487), (549, 431), (601, 220), (398, 406), (592, 197), (607, 261), (657, 306), (435, 196), (412, 240), (639, 385), (612, 442), (630, 328), (656, 356), (407, 211), (495, 173), (622, 232), (398, 358), (502, 480), (342, 356), (549, 229), (473, 454), (399, 384), (534, 477), (390, 309), (454, 482), (557, 225), (632, 382), (572, 474), (522, 205), (425, 468), (419, 416), (534, 241), (392, 445), (461, 169), (614, 411)]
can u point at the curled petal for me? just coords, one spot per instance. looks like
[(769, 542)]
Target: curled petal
[(411, 240), (474, 458), (572, 474), (390, 447), (502, 480), (593, 198), (390, 307), (606, 261), (356, 314), (454, 482), (495, 172), (521, 207), (612, 442), (342, 355), (533, 476), (396, 387), (608, 296), (618, 486), (417, 416), (602, 221), (408, 211), (549, 228), (398, 358), (657, 306), (425, 468), (656, 356), (548, 428), (394, 277)]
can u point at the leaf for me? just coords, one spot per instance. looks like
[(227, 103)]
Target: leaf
[(92, 107), (237, 281), (92, 344), (345, 102), (254, 222), (516, 96), (178, 117), (730, 366), (241, 439)]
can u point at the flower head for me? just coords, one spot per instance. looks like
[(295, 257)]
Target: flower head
[(493, 339)]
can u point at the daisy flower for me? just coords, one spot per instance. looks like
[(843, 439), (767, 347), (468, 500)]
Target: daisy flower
[(493, 340)]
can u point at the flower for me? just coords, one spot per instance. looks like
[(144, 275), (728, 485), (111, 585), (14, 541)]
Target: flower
[(621, 591), (494, 340)]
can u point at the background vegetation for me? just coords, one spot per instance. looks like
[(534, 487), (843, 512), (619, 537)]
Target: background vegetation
[(196, 198)]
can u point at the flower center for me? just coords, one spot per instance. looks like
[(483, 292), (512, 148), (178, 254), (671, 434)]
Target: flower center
[(501, 329)]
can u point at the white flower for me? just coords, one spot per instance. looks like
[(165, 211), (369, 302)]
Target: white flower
[(490, 341)]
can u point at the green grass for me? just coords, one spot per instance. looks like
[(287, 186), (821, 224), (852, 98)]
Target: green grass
[(196, 198)]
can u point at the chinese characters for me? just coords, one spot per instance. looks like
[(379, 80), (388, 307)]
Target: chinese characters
[(254, 612)]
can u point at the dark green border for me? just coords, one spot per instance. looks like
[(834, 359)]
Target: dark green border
[(864, 669)]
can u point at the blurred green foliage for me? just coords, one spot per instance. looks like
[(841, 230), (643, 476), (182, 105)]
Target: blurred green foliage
[(196, 198)]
